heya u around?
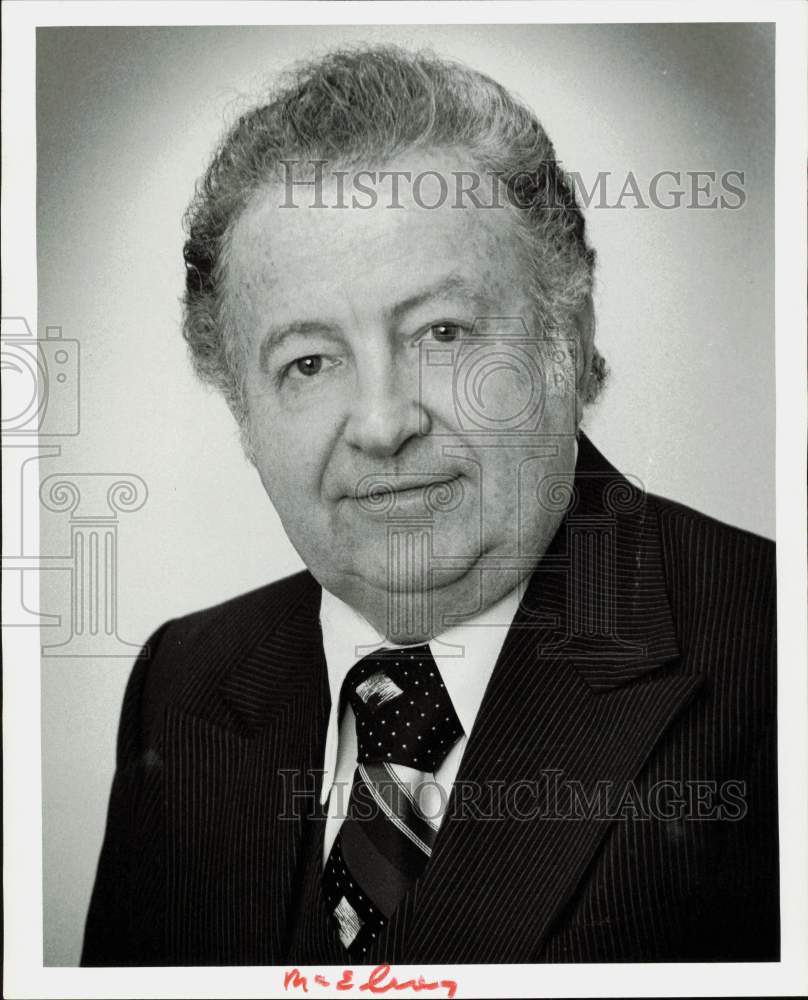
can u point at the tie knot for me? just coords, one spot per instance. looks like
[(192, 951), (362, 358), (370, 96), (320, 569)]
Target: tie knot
[(404, 714)]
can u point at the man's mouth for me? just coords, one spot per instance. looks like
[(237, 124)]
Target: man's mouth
[(381, 493), (377, 486)]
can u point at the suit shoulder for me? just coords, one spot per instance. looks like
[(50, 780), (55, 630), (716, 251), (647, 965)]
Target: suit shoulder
[(722, 589), (695, 538), (195, 651)]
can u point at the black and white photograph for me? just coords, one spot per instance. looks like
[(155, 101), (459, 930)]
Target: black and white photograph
[(404, 497)]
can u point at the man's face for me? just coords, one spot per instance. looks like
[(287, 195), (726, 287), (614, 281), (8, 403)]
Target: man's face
[(396, 346)]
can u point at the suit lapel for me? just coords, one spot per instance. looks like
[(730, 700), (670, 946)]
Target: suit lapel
[(584, 688), (240, 781)]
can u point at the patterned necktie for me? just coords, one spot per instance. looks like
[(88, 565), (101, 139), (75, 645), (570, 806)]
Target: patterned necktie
[(404, 715)]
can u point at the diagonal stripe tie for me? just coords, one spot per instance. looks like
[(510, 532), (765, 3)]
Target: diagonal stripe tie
[(404, 716)]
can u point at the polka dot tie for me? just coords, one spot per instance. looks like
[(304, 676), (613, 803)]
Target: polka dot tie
[(404, 716)]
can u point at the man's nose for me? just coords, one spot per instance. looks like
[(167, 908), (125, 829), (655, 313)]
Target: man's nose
[(385, 412)]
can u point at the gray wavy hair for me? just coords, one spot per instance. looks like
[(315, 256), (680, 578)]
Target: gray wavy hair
[(357, 106)]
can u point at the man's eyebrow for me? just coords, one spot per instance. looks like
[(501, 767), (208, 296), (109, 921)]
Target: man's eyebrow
[(276, 335), (453, 284)]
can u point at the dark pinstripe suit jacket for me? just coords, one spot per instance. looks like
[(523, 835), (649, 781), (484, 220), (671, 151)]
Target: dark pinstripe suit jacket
[(640, 666)]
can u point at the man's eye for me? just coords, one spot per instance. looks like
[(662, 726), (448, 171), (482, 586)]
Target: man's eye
[(445, 332), (310, 365), (308, 368)]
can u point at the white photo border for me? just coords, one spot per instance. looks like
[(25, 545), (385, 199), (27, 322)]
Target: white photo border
[(25, 975)]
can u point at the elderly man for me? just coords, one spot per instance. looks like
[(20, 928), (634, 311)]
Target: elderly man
[(516, 710)]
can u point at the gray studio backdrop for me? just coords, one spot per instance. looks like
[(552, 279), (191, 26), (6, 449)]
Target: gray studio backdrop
[(126, 119)]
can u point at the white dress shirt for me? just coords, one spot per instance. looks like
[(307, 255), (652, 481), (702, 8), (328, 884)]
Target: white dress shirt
[(465, 654)]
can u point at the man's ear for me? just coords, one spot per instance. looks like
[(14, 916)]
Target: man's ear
[(585, 332)]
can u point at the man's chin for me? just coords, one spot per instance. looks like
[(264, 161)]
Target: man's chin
[(404, 575), (404, 615)]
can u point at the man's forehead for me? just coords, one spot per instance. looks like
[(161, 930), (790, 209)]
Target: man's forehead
[(293, 272), (271, 234)]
